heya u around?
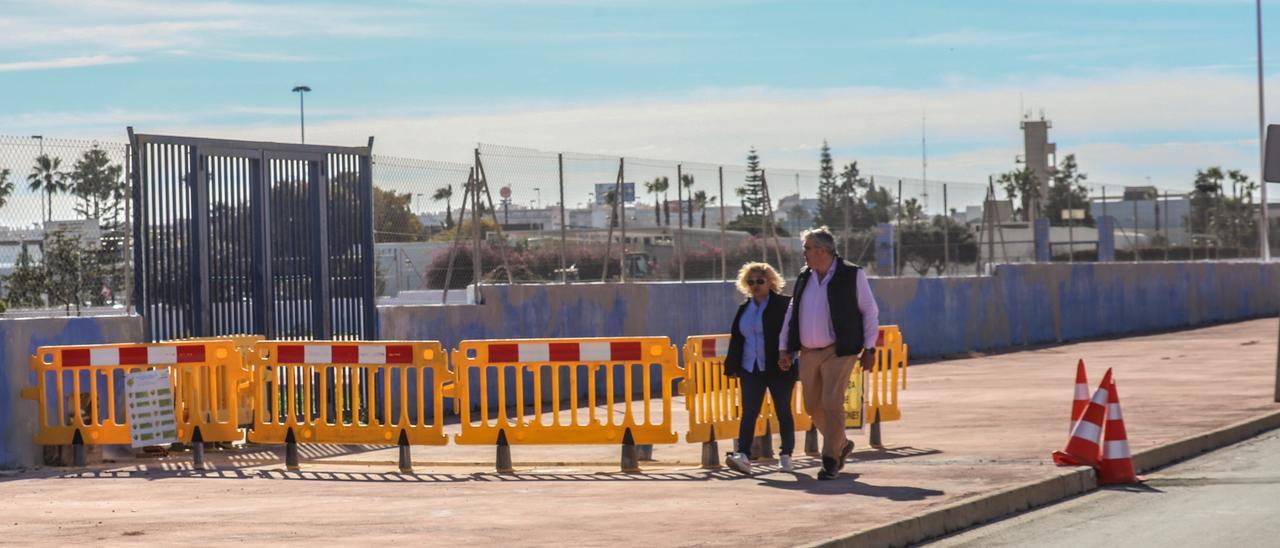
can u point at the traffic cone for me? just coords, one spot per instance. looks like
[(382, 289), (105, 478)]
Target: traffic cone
[(1083, 449), (1116, 465), (1081, 400)]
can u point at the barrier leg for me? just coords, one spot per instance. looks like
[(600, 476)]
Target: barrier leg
[(406, 461), (644, 452), (504, 454), (290, 452), (811, 442), (78, 457), (875, 430), (197, 450), (711, 452), (629, 462), (766, 442)]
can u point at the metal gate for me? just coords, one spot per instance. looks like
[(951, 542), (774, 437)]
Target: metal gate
[(239, 237)]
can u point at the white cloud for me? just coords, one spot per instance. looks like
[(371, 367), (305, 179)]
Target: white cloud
[(1123, 127), (136, 26), (67, 62)]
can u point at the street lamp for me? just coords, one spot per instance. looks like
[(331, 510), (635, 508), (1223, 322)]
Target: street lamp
[(1264, 222), (302, 118), (539, 191)]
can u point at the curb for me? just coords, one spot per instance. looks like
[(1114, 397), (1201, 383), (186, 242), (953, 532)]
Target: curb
[(1063, 484)]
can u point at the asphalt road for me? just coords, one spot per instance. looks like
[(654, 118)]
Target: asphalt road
[(1230, 497)]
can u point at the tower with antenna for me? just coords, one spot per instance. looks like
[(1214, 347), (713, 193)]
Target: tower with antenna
[(1039, 155)]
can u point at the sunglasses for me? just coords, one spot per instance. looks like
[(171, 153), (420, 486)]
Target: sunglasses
[(757, 281)]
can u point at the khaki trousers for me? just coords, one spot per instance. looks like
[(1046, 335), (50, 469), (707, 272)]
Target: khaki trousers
[(825, 379)]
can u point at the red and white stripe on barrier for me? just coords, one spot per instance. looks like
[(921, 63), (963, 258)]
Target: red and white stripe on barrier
[(715, 347), (132, 355), (372, 354), (564, 352)]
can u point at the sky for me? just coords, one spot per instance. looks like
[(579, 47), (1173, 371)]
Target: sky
[(1138, 90)]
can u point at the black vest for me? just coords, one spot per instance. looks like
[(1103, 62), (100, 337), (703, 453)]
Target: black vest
[(842, 298)]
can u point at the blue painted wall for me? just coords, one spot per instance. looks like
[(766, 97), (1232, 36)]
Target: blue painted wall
[(19, 339)]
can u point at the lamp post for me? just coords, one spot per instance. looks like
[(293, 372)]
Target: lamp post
[(302, 117), (1265, 220)]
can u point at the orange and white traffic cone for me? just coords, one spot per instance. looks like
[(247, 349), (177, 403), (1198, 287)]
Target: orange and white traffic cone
[(1081, 400), (1116, 465), (1083, 448)]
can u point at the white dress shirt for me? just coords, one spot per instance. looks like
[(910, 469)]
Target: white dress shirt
[(816, 330)]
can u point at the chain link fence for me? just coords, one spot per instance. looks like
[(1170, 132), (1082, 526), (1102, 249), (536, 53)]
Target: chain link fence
[(546, 217)]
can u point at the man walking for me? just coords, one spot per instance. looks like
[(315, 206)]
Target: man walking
[(832, 321)]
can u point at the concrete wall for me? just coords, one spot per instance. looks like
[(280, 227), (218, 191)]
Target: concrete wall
[(19, 339), (1019, 305)]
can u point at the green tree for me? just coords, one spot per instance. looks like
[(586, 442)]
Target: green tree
[(658, 185), (392, 219), (445, 193), (701, 201), (1020, 185), (71, 270), (912, 211), (6, 187), (830, 199), (24, 287), (611, 199), (1068, 192), (752, 191), (47, 176), (98, 184), (686, 180)]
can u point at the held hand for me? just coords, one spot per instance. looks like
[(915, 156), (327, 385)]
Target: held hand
[(868, 360), (784, 362)]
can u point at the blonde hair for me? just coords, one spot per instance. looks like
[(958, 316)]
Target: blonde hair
[(776, 283)]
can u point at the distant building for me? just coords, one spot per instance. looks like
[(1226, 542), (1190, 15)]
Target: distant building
[(1142, 210)]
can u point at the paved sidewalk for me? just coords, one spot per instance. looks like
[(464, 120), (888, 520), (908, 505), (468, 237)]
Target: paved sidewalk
[(970, 427)]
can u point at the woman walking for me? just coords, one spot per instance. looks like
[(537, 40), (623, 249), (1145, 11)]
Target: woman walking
[(753, 358)]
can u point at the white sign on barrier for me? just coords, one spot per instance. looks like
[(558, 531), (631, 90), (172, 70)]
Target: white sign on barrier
[(149, 397)]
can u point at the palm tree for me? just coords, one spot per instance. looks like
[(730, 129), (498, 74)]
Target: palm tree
[(652, 188), (660, 186), (445, 193), (686, 181), (6, 187), (47, 176), (701, 200)]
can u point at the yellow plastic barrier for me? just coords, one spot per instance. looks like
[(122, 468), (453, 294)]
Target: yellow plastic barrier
[(715, 400), (349, 392), (247, 346), (500, 382), (882, 381), (81, 388)]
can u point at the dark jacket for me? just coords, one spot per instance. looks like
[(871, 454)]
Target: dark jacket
[(842, 298), (774, 314)]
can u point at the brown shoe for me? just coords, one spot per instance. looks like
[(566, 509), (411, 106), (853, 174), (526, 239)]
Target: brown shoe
[(844, 454)]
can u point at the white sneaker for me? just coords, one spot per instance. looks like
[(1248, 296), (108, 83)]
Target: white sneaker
[(785, 463), (739, 461)]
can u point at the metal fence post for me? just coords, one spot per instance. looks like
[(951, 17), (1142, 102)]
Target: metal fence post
[(564, 275), (946, 232), (680, 220), (724, 273)]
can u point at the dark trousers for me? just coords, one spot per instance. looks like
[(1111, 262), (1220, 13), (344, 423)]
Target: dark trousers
[(780, 388)]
